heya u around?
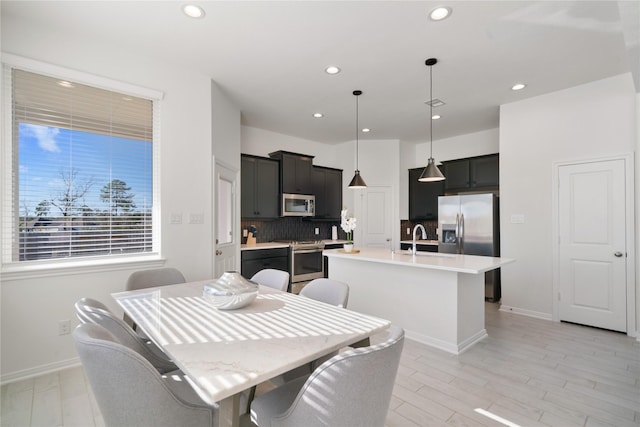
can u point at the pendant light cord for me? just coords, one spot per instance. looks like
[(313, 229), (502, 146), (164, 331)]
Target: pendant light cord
[(357, 125), (431, 111)]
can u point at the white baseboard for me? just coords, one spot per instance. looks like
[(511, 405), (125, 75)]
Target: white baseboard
[(524, 312), (39, 370)]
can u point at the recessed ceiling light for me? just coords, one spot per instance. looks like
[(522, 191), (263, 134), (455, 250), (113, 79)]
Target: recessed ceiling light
[(65, 83), (318, 115), (193, 11), (365, 130), (435, 117), (440, 13), (518, 86), (332, 69)]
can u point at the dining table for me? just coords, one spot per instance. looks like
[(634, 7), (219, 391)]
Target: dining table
[(226, 352)]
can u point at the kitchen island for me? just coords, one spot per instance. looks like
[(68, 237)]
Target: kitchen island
[(437, 298)]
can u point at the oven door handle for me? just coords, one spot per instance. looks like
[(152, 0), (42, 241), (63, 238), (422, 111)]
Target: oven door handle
[(306, 251)]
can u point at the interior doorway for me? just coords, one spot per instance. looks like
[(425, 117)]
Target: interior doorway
[(375, 209), (594, 268), (226, 226)]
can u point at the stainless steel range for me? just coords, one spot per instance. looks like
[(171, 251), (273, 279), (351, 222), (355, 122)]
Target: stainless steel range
[(306, 262)]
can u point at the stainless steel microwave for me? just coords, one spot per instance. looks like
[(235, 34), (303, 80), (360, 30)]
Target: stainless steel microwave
[(298, 205)]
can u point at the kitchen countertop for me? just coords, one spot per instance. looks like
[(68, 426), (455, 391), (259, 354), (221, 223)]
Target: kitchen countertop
[(275, 245), (334, 242), (421, 242), (266, 245), (471, 264)]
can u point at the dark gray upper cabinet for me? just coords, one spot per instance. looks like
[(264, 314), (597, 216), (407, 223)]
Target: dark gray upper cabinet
[(295, 172), (473, 173), (259, 193), (327, 187), (423, 197)]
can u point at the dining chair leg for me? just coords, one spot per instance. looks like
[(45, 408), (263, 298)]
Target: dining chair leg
[(252, 394)]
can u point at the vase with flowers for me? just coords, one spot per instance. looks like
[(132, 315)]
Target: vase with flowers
[(348, 224)]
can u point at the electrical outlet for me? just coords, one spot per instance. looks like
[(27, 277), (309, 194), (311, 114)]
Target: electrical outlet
[(408, 231), (64, 327), (176, 218), (317, 231), (245, 233)]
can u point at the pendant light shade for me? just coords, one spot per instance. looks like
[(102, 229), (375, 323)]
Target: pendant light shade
[(431, 172), (357, 181)]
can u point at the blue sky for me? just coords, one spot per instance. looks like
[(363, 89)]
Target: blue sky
[(47, 152)]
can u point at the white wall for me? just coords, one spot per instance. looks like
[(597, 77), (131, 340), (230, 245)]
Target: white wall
[(589, 121), (260, 142), (33, 305)]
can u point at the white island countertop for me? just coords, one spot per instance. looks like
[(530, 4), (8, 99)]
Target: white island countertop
[(470, 264)]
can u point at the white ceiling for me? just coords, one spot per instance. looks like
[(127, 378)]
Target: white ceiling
[(269, 56)]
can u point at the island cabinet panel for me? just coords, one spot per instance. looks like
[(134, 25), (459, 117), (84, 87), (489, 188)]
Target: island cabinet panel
[(295, 172), (327, 187), (259, 193), (473, 173), (423, 197), (255, 260)]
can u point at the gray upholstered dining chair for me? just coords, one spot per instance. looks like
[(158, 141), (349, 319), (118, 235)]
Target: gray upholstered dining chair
[(91, 311), (273, 278), (130, 391), (350, 389), (150, 278), (327, 290)]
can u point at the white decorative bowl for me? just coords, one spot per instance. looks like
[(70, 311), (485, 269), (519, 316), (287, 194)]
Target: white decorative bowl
[(230, 291)]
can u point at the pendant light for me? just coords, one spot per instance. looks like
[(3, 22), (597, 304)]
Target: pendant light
[(431, 172), (357, 181)]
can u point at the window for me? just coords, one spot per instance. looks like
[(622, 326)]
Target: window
[(82, 169)]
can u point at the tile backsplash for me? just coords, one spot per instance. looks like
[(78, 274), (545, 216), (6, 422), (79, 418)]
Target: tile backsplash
[(290, 229), (430, 226), (299, 229)]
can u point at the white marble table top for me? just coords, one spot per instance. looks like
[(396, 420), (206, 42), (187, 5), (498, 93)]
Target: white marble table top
[(432, 260), (226, 352)]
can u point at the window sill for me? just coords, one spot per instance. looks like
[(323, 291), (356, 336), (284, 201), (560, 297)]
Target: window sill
[(49, 268)]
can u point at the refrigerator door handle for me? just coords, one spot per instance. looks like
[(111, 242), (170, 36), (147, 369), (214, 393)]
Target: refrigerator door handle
[(461, 251), (457, 233)]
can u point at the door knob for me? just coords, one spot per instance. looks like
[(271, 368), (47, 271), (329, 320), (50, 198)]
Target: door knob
[(618, 254)]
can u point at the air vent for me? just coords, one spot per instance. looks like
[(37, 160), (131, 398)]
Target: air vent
[(434, 103)]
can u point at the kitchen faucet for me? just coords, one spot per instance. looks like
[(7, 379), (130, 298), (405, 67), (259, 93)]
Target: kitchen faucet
[(424, 236)]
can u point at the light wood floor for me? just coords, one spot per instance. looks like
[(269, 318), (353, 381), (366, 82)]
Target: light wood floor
[(529, 372)]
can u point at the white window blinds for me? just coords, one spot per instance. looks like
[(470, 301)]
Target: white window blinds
[(82, 170)]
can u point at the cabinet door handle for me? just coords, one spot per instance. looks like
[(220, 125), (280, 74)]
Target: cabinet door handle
[(618, 254)]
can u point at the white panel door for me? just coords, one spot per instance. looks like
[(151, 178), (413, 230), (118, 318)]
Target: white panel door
[(377, 218), (226, 229), (592, 247)]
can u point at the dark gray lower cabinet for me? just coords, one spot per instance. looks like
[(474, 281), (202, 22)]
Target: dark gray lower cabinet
[(419, 248), (254, 260)]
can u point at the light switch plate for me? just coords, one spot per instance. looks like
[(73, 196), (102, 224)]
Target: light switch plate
[(176, 218), (196, 218), (517, 219)]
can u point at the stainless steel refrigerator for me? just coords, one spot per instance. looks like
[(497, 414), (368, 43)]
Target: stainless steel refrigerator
[(469, 224)]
